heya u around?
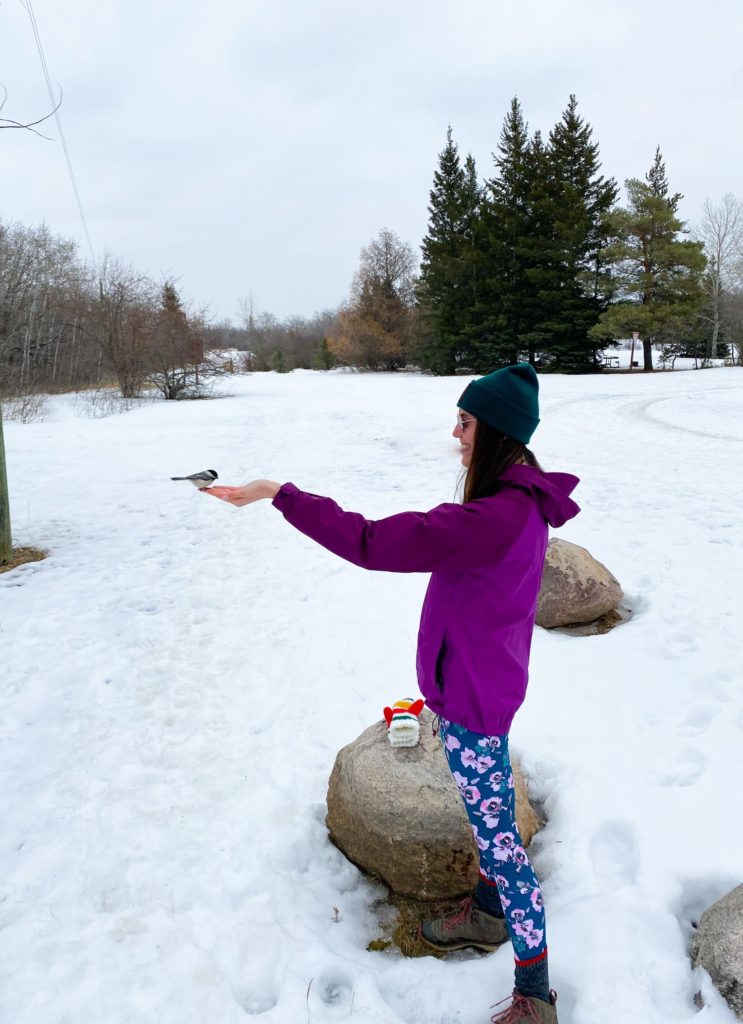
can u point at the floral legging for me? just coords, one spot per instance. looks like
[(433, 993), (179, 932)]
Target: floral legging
[(482, 770)]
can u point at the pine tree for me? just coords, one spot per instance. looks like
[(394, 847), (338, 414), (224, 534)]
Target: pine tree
[(658, 182), (517, 270), (582, 201), (324, 359), (472, 279), (278, 361), (446, 289), (656, 274), (501, 321), (542, 290)]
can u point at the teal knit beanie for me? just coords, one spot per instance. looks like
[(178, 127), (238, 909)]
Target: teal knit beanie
[(507, 400)]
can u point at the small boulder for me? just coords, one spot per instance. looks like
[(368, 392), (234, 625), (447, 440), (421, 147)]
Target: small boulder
[(718, 947), (396, 813), (575, 587)]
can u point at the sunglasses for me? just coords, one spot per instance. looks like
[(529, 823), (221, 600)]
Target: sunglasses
[(464, 421)]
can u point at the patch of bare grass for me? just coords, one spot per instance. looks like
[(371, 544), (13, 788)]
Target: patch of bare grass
[(20, 556), (402, 930)]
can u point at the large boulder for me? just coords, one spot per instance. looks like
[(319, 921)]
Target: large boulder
[(396, 813), (718, 947), (575, 587)]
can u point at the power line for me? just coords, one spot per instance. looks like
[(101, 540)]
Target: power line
[(42, 58)]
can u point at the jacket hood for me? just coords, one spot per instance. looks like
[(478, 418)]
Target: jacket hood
[(551, 491)]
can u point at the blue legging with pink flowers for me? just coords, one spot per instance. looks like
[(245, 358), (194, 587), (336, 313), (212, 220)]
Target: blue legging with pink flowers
[(482, 770)]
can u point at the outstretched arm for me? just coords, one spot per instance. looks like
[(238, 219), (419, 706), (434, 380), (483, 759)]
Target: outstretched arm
[(449, 537)]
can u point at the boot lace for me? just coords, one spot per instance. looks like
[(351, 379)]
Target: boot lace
[(460, 917), (521, 1009)]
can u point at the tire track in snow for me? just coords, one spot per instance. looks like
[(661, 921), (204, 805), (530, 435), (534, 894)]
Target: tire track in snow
[(638, 409)]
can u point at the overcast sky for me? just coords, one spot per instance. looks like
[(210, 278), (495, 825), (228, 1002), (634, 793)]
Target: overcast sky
[(254, 148)]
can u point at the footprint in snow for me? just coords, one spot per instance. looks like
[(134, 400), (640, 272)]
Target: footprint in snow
[(686, 767), (615, 855), (257, 999), (697, 719), (334, 988)]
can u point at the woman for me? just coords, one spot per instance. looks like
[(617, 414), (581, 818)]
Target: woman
[(485, 557)]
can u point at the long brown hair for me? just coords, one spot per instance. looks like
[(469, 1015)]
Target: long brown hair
[(492, 454)]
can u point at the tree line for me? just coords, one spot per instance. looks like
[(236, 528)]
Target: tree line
[(542, 262), (66, 324)]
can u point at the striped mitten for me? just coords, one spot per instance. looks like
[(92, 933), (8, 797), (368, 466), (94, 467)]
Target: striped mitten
[(403, 727)]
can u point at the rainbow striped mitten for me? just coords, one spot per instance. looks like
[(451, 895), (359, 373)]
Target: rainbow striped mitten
[(403, 727)]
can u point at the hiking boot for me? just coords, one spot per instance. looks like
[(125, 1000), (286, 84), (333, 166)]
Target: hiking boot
[(470, 926), (527, 1010)]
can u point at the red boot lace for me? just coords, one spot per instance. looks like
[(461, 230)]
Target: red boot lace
[(521, 1009), (463, 914)]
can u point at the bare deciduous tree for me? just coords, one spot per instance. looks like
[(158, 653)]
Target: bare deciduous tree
[(390, 264), (121, 319), (721, 230), (40, 308)]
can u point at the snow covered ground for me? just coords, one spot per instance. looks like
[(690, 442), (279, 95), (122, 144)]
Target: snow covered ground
[(178, 676)]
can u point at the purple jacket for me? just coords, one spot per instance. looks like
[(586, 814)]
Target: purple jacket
[(485, 558)]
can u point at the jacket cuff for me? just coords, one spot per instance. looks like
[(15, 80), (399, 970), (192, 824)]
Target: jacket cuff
[(284, 496)]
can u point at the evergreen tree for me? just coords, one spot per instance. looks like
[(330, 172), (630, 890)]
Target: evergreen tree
[(278, 361), (324, 359), (446, 287), (658, 182), (501, 320), (656, 274), (542, 290), (582, 201), (471, 284), (516, 270), (544, 230)]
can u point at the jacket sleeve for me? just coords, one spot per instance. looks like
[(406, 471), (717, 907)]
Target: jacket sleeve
[(450, 537)]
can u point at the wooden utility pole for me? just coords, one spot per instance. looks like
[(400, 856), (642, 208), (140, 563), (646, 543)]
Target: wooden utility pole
[(6, 548)]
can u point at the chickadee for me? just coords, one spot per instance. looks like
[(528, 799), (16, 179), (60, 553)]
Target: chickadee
[(204, 479)]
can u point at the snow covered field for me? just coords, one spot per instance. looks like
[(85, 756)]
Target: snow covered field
[(178, 676)]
